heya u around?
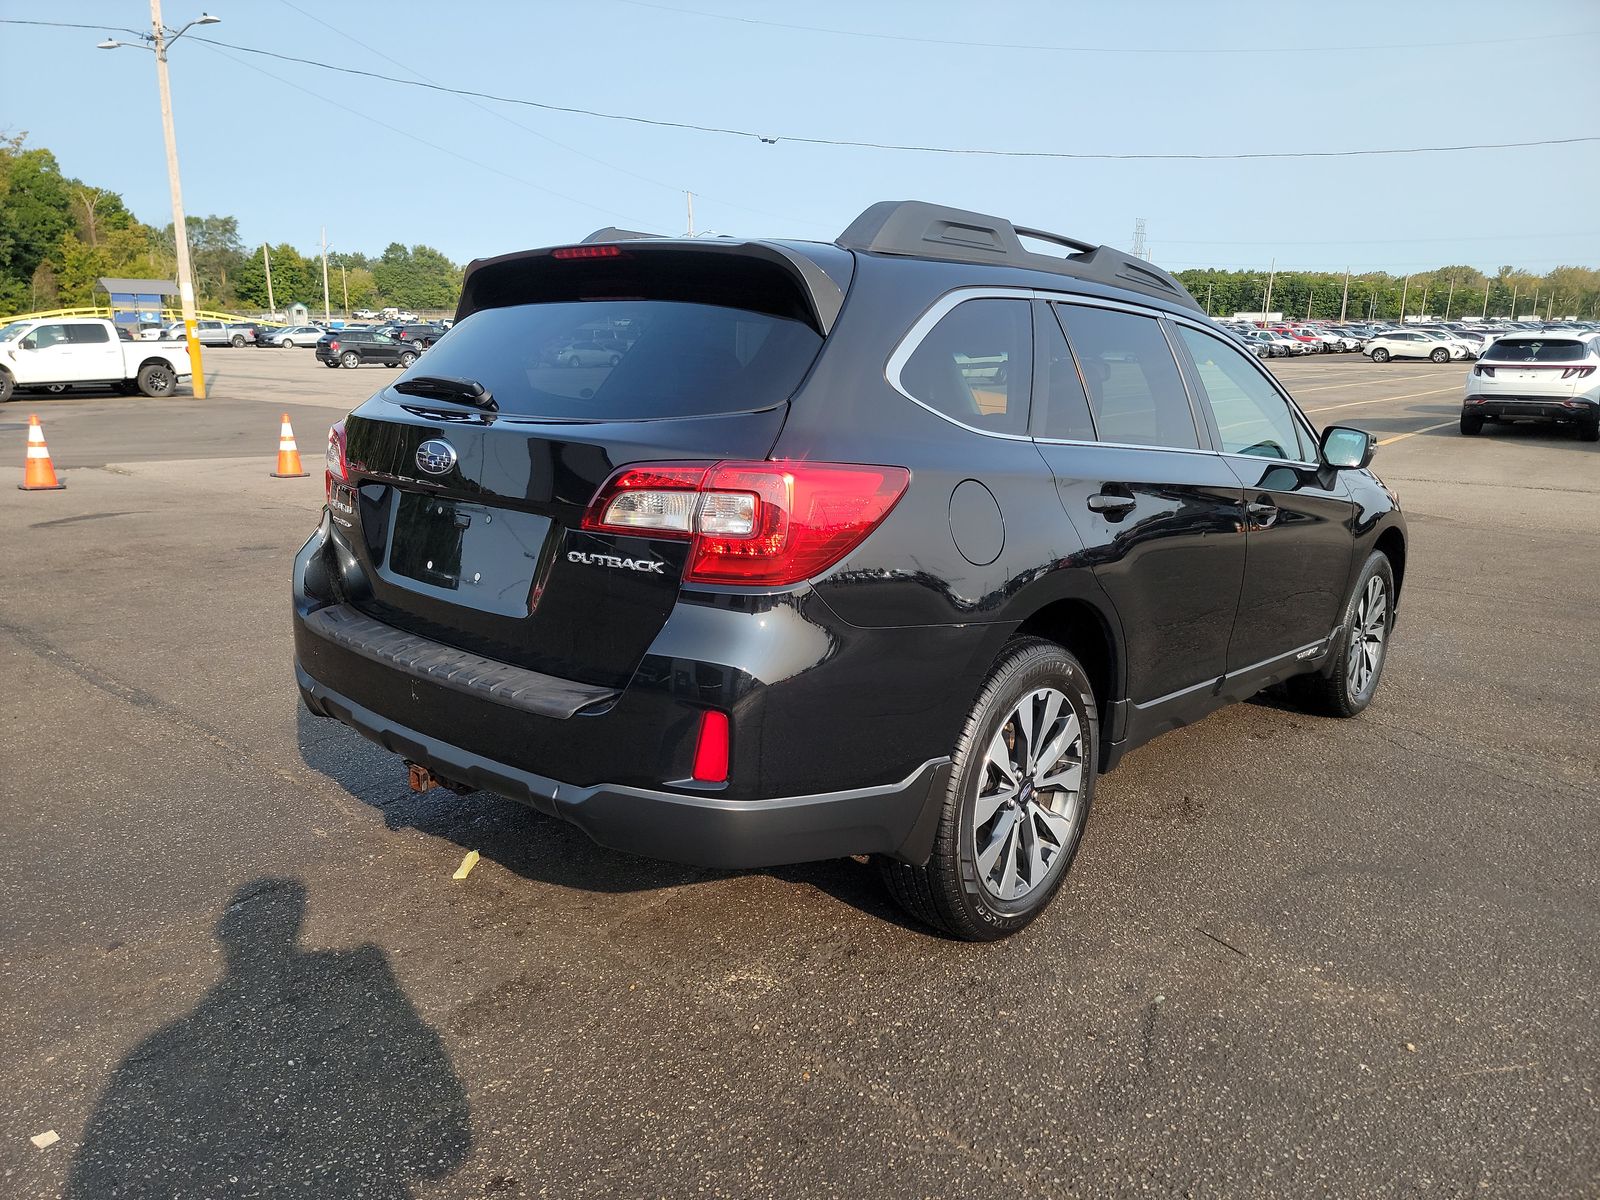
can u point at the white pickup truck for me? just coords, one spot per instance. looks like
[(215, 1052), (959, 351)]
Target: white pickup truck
[(57, 353)]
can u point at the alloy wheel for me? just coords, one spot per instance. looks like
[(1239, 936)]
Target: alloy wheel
[(1369, 633), (1030, 795)]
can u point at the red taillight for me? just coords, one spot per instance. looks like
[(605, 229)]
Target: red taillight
[(338, 466), (1480, 369), (766, 524), (587, 252), (333, 345), (711, 748), (1577, 373)]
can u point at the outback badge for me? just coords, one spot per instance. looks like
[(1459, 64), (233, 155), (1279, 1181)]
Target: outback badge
[(436, 456)]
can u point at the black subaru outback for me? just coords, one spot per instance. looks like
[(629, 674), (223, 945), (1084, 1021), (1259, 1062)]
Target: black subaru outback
[(882, 546)]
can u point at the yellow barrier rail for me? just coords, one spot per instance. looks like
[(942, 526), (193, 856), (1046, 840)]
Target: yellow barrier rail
[(169, 316)]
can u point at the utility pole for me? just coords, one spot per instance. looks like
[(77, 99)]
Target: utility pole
[(1485, 315), (1266, 304), (1451, 295), (1549, 308), (266, 261), (1536, 303), (1310, 292), (344, 283), (690, 197), (1208, 299), (327, 315), (1513, 302), (1424, 312), (1404, 288), (1345, 299)]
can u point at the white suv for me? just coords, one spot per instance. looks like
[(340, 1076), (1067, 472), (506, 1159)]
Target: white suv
[(1536, 377), (1412, 343)]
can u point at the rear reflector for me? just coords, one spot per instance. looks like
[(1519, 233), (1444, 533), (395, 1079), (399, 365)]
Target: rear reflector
[(587, 252), (711, 750), (766, 524)]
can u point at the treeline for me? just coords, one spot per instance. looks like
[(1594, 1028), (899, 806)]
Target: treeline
[(59, 236), (1447, 291)]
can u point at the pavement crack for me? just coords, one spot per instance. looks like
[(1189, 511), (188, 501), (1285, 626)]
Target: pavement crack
[(136, 697)]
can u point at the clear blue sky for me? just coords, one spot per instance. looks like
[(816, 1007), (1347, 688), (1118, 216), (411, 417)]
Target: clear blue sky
[(289, 148)]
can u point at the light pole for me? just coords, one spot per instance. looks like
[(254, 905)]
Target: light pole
[(159, 38)]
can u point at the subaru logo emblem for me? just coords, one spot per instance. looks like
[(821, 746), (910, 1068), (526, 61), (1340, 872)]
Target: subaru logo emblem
[(436, 456)]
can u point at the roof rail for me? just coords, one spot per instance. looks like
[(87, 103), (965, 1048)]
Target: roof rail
[(612, 234), (922, 230)]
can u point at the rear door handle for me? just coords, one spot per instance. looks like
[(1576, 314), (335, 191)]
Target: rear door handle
[(1110, 502), (1262, 513)]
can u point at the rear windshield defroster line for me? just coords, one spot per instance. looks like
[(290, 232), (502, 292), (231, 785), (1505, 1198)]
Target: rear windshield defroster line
[(627, 359)]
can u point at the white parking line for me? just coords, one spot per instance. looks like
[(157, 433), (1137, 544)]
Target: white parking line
[(1400, 437), (1370, 383), (1379, 400)]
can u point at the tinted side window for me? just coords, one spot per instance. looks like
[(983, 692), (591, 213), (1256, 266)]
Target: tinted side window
[(1063, 403), (87, 333), (975, 365), (1135, 390), (1251, 417)]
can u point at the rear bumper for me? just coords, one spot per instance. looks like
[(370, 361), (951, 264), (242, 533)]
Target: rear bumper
[(1535, 408), (822, 764), (898, 819)]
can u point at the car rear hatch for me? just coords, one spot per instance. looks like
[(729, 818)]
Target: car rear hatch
[(1556, 367), (471, 510)]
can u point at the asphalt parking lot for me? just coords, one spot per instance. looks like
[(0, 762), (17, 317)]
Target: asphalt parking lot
[(1295, 957)]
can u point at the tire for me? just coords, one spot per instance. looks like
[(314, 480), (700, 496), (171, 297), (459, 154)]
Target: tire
[(157, 380), (407, 357), (1348, 686), (1589, 431), (1441, 355), (1471, 425), (287, 343), (8, 386), (613, 360), (58, 389), (332, 364), (350, 360), (1380, 355), (953, 891), (237, 341)]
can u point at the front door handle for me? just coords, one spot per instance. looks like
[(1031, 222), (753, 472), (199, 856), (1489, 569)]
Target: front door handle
[(1110, 502), (1262, 513)]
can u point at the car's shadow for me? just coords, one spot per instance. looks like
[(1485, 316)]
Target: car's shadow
[(542, 848)]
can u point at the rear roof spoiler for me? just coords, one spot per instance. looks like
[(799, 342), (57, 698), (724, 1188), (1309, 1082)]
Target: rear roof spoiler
[(922, 230), (821, 273)]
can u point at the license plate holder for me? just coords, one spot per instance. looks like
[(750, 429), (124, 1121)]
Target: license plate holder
[(464, 552)]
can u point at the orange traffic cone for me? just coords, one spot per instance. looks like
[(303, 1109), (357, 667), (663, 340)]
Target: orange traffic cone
[(38, 474), (288, 455)]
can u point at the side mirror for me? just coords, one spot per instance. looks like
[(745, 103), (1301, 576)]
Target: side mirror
[(1344, 447)]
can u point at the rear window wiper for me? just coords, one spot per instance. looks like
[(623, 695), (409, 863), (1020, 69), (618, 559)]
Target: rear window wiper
[(448, 387)]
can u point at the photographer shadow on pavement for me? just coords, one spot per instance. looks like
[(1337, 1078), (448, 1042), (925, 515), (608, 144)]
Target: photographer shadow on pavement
[(299, 1074)]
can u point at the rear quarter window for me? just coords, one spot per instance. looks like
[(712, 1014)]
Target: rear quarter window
[(974, 365)]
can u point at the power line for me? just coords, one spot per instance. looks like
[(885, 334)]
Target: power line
[(621, 170), (865, 145), (1493, 237), (421, 141), (774, 139), (965, 44)]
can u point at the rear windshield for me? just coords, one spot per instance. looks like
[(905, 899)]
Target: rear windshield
[(1535, 350), (627, 360)]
